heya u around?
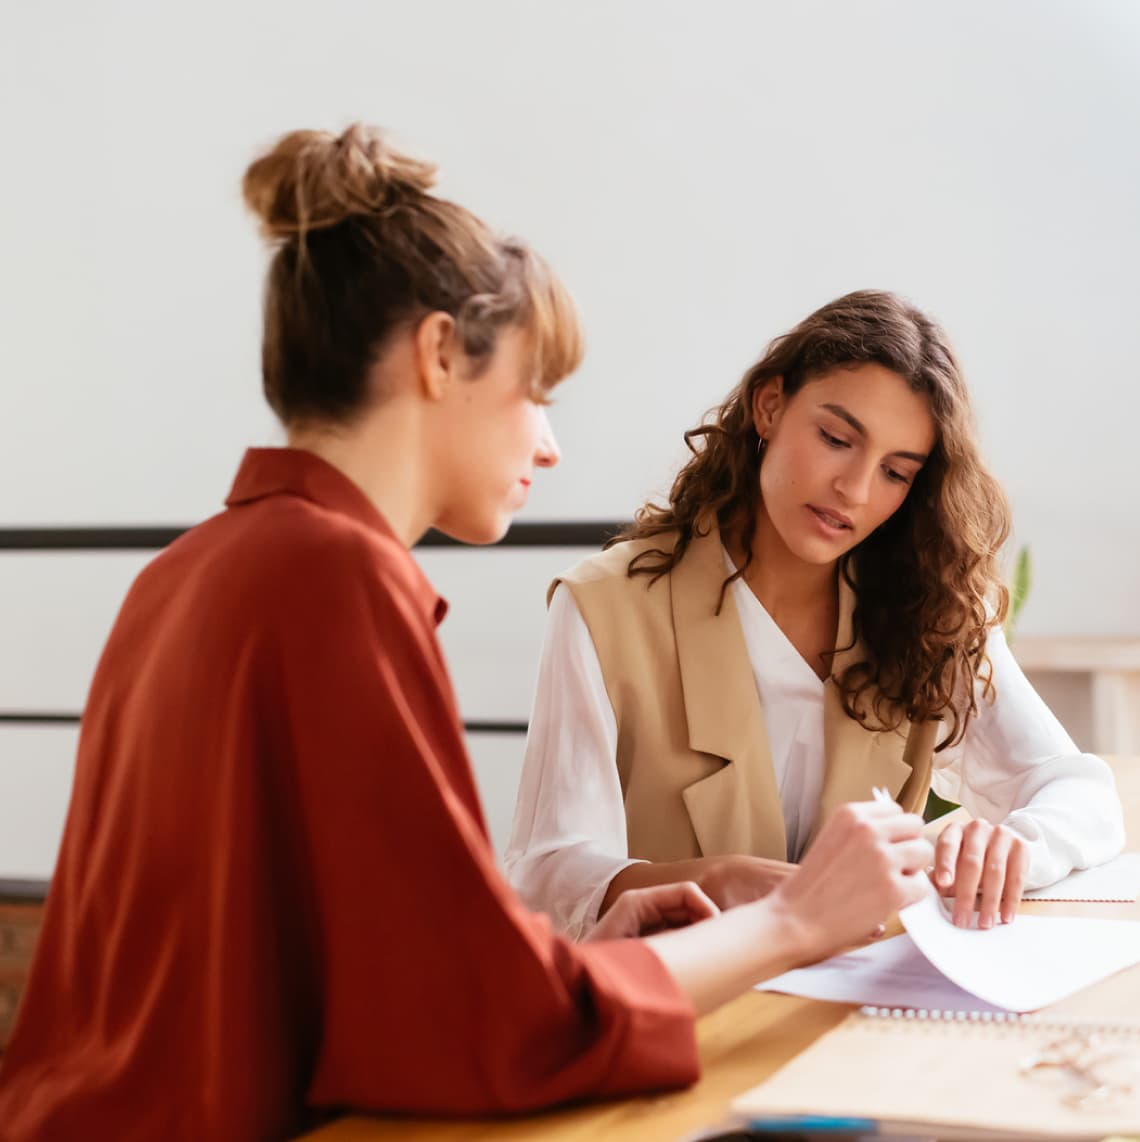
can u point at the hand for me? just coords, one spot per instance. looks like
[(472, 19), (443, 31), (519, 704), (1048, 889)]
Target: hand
[(985, 859), (733, 880), (643, 911), (864, 865)]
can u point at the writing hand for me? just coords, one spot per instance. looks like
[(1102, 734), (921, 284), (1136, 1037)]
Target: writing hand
[(864, 865)]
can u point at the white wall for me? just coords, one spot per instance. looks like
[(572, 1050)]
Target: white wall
[(702, 174)]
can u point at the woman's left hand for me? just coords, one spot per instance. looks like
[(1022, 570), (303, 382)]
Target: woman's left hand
[(982, 861), (643, 911)]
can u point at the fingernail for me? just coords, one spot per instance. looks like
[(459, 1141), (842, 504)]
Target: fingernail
[(1006, 917), (986, 922)]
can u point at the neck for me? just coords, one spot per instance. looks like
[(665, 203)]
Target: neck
[(786, 585), (383, 455)]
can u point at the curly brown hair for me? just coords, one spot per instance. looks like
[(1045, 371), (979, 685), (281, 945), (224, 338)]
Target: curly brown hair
[(927, 582)]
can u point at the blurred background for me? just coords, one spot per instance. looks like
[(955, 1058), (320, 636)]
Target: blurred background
[(702, 175)]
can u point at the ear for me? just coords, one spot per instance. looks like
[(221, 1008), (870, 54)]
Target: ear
[(436, 354), (767, 404)]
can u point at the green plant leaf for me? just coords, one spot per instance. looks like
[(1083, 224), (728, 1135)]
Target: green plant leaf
[(1018, 590)]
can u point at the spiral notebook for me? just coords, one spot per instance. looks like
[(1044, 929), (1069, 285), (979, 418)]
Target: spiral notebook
[(958, 1075), (1117, 880)]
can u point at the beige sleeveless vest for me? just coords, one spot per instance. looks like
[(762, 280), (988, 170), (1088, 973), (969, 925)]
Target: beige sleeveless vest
[(692, 752)]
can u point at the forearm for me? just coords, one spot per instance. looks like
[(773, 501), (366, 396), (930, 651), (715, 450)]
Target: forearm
[(728, 881), (645, 874), (1019, 767), (1072, 822), (864, 864), (717, 960)]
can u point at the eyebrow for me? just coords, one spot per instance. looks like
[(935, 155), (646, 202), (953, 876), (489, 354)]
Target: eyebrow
[(839, 411)]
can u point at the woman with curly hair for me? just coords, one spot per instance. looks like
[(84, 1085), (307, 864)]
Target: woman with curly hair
[(816, 612)]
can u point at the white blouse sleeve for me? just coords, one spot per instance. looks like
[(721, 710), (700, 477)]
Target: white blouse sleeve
[(568, 839), (1017, 765)]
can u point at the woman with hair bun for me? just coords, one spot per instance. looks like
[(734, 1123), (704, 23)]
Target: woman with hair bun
[(816, 612), (276, 898)]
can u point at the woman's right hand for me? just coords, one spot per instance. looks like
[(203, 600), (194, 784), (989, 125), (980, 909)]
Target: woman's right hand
[(867, 862)]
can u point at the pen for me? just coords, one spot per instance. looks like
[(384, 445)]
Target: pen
[(811, 1124)]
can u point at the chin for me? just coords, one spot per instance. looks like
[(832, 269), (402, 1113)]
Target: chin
[(818, 552), (478, 532)]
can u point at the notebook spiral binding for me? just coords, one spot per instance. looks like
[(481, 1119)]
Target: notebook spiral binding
[(925, 1016)]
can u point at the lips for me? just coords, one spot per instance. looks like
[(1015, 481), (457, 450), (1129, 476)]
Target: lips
[(831, 518)]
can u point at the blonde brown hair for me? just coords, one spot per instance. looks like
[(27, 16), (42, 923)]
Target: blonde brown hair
[(361, 247), (927, 581)]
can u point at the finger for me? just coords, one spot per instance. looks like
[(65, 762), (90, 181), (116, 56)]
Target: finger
[(683, 903), (669, 905), (993, 877), (1014, 879), (698, 903), (912, 856), (911, 889), (618, 923), (902, 826), (946, 857), (888, 820), (877, 933), (968, 874), (881, 811)]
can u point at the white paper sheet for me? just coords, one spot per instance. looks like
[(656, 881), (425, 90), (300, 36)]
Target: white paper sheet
[(1035, 961), (1117, 879), (890, 973)]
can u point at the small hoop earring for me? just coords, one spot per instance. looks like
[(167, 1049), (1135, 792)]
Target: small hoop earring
[(761, 443)]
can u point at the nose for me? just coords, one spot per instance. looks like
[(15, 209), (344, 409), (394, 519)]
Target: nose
[(853, 483), (546, 453)]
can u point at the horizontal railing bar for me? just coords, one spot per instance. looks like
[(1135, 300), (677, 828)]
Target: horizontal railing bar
[(56, 718), (550, 533), (23, 891)]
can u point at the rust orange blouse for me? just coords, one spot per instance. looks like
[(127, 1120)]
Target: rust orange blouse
[(276, 897)]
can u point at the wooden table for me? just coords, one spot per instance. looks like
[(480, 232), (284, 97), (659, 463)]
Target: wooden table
[(740, 1045)]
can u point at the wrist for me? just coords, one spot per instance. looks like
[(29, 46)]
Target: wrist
[(795, 932)]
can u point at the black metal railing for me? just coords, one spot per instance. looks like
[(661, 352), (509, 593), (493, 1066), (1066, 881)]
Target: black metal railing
[(581, 533), (591, 533), (588, 533)]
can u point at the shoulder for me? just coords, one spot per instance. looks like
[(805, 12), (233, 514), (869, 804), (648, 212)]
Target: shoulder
[(291, 557), (614, 562), (604, 580)]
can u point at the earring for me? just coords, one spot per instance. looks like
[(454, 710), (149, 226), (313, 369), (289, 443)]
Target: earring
[(761, 443)]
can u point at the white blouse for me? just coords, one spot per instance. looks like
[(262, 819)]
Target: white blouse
[(1016, 765)]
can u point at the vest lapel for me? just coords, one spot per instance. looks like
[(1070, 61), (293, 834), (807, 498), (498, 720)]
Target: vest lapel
[(856, 759), (737, 808)]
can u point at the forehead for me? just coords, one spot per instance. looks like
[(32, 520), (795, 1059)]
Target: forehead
[(895, 416)]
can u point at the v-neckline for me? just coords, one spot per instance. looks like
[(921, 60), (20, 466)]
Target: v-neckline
[(746, 599)]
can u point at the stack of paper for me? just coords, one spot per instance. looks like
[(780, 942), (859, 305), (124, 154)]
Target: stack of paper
[(1031, 963)]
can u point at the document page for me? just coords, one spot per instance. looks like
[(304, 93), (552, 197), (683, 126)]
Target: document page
[(890, 973), (1023, 966), (1035, 961)]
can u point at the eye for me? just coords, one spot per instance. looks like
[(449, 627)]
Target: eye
[(832, 441), (897, 477)]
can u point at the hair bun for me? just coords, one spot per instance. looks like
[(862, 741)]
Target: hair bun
[(310, 180)]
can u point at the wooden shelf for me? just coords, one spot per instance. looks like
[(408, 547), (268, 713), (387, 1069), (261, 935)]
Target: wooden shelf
[(1112, 664)]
